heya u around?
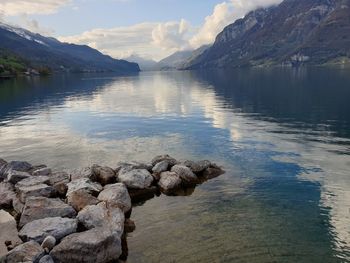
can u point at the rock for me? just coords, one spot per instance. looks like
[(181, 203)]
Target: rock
[(169, 181), (81, 198), (19, 166), (104, 175), (97, 245), (129, 225), (32, 180), (59, 177), (3, 165), (84, 184), (136, 179), (42, 171), (7, 194), (46, 259), (197, 167), (14, 176), (37, 190), (102, 215), (160, 167), (28, 252), (61, 189), (18, 206), (212, 172), (48, 243), (204, 164), (85, 172), (40, 207), (185, 173), (116, 195), (171, 161), (8, 232), (57, 227), (132, 166), (140, 195)]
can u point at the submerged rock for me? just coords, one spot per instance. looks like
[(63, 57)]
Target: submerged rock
[(57, 227), (169, 181), (116, 195), (81, 198), (136, 179), (171, 161), (97, 245), (28, 252), (102, 215), (185, 173), (41, 207), (8, 233), (197, 167)]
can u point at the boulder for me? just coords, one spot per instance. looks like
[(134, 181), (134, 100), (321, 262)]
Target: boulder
[(28, 252), (48, 243), (212, 172), (32, 180), (7, 194), (57, 227), (3, 165), (19, 166), (81, 198), (104, 175), (197, 167), (42, 171), (169, 181), (102, 215), (141, 195), (40, 207), (14, 176), (85, 172), (97, 245), (8, 233), (46, 259), (116, 195), (160, 167), (136, 179), (59, 177), (132, 165), (185, 173), (84, 184), (37, 190), (171, 161)]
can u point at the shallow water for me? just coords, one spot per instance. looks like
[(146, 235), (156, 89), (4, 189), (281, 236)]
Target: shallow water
[(282, 135)]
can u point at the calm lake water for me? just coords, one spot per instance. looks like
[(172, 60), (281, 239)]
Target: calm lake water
[(282, 135)]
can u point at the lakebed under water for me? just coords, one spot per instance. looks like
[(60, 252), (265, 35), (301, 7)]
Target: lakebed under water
[(282, 135)]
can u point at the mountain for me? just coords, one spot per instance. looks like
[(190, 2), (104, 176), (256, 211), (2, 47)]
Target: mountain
[(145, 64), (295, 32), (42, 51)]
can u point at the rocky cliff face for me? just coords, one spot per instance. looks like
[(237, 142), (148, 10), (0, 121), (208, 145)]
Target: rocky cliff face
[(292, 33)]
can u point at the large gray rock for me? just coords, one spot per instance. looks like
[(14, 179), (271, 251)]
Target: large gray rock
[(85, 172), (102, 215), (84, 184), (57, 227), (116, 195), (28, 252), (136, 179), (46, 259), (45, 171), (41, 207), (132, 166), (38, 190), (97, 245), (59, 177), (171, 161), (8, 232), (32, 180), (185, 173), (19, 166), (169, 181), (7, 194), (160, 167), (103, 174), (197, 167), (14, 176), (48, 243), (81, 198)]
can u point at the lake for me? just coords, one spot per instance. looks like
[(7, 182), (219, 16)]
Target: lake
[(282, 135)]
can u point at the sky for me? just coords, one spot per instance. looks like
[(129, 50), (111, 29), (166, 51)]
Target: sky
[(151, 29)]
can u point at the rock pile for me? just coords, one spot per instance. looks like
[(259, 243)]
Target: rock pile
[(82, 216)]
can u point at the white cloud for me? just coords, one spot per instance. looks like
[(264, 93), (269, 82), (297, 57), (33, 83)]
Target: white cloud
[(34, 26), (19, 7), (224, 14)]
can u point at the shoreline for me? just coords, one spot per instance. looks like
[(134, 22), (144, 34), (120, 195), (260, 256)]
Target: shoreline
[(84, 215)]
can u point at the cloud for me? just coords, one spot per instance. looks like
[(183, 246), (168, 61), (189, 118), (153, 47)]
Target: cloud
[(148, 40), (19, 7), (224, 14), (34, 26)]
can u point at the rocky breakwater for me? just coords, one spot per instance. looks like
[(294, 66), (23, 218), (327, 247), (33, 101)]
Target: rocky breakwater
[(83, 215)]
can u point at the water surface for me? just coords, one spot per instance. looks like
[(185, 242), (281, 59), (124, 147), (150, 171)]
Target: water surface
[(282, 135)]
